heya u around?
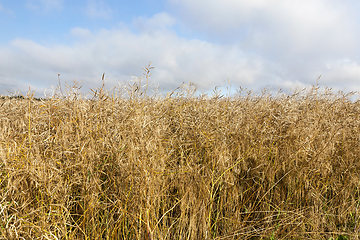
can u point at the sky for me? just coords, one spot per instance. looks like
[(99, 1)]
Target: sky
[(257, 44)]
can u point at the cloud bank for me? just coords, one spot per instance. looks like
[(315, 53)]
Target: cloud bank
[(299, 39), (254, 44)]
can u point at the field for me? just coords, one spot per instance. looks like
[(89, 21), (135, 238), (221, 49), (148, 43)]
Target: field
[(180, 166)]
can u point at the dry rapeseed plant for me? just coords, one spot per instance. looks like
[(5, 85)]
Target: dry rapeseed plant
[(180, 167)]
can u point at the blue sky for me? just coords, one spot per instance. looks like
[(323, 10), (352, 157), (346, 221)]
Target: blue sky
[(255, 44)]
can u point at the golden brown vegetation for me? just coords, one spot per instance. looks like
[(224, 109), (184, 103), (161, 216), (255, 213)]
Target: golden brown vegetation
[(180, 166)]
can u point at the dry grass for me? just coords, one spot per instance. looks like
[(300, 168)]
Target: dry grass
[(180, 166)]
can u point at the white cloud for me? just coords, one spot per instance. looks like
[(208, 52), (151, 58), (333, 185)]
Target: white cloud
[(81, 33), (46, 5), (120, 53), (295, 39), (343, 72), (98, 9), (304, 24), (159, 22), (268, 54)]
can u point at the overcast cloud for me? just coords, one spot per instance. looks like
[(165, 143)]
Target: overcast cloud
[(254, 44)]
